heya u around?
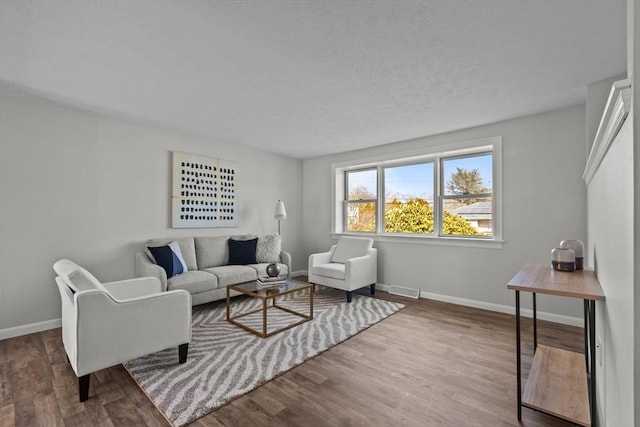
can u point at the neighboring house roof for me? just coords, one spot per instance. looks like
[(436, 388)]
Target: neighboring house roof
[(478, 210)]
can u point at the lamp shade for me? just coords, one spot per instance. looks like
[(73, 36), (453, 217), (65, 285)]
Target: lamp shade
[(281, 212)]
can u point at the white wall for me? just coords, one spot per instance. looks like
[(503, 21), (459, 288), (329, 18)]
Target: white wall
[(614, 242), (93, 189), (633, 71), (544, 202), (610, 249)]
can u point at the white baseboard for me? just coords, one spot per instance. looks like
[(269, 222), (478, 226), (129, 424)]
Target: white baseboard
[(298, 273), (30, 329), (542, 315)]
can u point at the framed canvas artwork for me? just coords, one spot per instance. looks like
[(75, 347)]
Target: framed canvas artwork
[(204, 192)]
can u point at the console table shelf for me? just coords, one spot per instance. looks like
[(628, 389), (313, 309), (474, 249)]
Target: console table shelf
[(558, 383)]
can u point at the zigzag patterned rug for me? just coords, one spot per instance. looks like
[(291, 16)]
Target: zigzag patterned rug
[(226, 362)]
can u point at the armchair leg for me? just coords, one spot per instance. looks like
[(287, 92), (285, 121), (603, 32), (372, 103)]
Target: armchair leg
[(83, 387), (183, 349), (349, 296), (372, 287)]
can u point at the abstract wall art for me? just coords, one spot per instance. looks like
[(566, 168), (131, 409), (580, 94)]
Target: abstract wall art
[(204, 192)]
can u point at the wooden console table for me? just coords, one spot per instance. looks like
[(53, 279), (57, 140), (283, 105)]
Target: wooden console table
[(557, 383)]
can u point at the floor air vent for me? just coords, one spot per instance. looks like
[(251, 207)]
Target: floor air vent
[(405, 292)]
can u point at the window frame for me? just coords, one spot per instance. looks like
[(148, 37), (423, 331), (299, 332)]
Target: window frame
[(347, 201), (442, 196), (382, 175), (436, 154)]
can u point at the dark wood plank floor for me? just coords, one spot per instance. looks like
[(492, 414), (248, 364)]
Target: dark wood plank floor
[(431, 364)]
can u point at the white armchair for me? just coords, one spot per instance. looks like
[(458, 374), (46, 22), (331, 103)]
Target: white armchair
[(106, 324), (349, 265)]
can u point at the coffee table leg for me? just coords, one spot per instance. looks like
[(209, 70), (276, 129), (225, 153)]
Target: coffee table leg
[(311, 302), (264, 317), (228, 304)]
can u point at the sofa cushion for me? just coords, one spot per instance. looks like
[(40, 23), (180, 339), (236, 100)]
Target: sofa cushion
[(268, 248), (261, 268), (169, 258), (334, 270), (351, 247), (232, 274), (76, 277), (212, 251), (242, 252), (187, 247), (193, 281)]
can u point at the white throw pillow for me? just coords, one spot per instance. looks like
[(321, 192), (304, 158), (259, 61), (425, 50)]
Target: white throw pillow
[(268, 249)]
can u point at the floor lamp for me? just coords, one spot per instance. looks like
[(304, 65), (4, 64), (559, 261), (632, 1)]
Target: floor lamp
[(280, 213)]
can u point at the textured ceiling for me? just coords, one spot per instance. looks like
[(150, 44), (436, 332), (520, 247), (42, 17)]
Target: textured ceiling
[(311, 77)]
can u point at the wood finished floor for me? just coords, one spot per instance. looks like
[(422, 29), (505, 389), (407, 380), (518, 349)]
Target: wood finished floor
[(431, 364)]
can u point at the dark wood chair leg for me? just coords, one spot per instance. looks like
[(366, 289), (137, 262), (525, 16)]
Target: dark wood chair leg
[(372, 287), (183, 349), (83, 387), (349, 296)]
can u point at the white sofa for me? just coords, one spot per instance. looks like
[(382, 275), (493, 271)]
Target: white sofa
[(104, 324), (207, 261), (349, 265)]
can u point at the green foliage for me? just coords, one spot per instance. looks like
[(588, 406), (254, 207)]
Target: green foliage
[(465, 181), (416, 216), (456, 225)]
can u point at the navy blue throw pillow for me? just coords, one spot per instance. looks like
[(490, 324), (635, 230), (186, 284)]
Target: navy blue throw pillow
[(242, 252), (169, 258)]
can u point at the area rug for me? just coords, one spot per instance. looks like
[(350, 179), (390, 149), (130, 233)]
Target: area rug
[(226, 362)]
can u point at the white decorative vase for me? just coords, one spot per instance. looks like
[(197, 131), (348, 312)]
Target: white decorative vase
[(563, 259), (578, 249)]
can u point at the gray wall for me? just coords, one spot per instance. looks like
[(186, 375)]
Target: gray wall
[(614, 245), (611, 253), (544, 202), (93, 189)]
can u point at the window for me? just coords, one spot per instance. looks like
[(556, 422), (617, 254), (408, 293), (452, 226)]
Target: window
[(361, 201), (447, 194), (465, 197), (408, 196)]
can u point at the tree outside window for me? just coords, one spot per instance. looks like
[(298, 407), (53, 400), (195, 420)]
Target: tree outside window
[(439, 195), (467, 193)]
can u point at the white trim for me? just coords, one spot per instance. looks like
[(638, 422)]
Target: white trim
[(552, 317), (298, 273), (30, 329), (542, 315), (416, 239), (470, 147), (465, 147), (614, 115)]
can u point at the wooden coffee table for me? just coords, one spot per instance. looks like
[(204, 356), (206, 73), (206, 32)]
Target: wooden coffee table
[(265, 295)]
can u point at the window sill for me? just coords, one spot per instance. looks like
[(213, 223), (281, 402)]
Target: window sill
[(429, 240)]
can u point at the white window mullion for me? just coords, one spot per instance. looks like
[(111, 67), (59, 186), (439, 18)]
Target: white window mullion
[(437, 197), (381, 201)]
